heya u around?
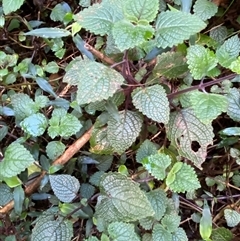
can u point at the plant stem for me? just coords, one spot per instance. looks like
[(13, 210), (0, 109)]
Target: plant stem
[(201, 86)]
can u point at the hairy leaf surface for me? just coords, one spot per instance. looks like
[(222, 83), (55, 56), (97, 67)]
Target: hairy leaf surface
[(232, 217), (127, 35), (185, 130), (116, 200), (99, 142), (123, 132), (174, 27), (201, 61), (23, 106), (185, 179), (137, 10), (122, 231), (159, 233), (157, 164), (179, 235), (205, 9), (233, 109), (55, 149), (170, 65), (64, 186), (171, 222), (63, 124), (146, 149), (158, 200), (152, 101), (95, 81), (35, 125), (49, 229), (222, 234), (6, 194), (16, 159), (208, 107), (99, 18), (229, 51)]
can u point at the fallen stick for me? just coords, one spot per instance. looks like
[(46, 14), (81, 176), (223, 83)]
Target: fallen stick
[(63, 159)]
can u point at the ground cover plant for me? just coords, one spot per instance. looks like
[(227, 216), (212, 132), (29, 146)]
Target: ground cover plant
[(119, 120)]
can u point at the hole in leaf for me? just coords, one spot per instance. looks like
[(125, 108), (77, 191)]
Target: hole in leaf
[(195, 146)]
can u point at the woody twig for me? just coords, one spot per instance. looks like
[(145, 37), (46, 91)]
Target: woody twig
[(63, 159)]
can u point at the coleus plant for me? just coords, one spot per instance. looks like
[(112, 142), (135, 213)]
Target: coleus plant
[(145, 50)]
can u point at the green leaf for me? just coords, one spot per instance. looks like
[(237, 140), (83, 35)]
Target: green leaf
[(84, 3), (157, 165), (206, 222), (219, 34), (11, 5), (59, 11), (23, 106), (102, 82), (16, 159), (174, 27), (185, 179), (159, 233), (73, 208), (179, 235), (171, 222), (6, 194), (45, 85), (146, 149), (55, 149), (233, 109), (208, 107), (87, 190), (234, 66), (232, 217), (147, 237), (3, 131), (124, 132), (236, 179), (171, 65), (137, 10), (158, 200), (41, 101), (95, 178), (153, 102), (185, 130), (120, 231), (147, 223), (99, 18), (51, 67), (57, 230), (63, 124), (116, 200), (128, 35), (64, 186), (229, 51), (80, 44), (12, 181), (205, 9), (99, 142), (117, 99), (49, 33), (104, 162), (18, 196), (201, 61), (172, 174), (221, 234), (35, 125)]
